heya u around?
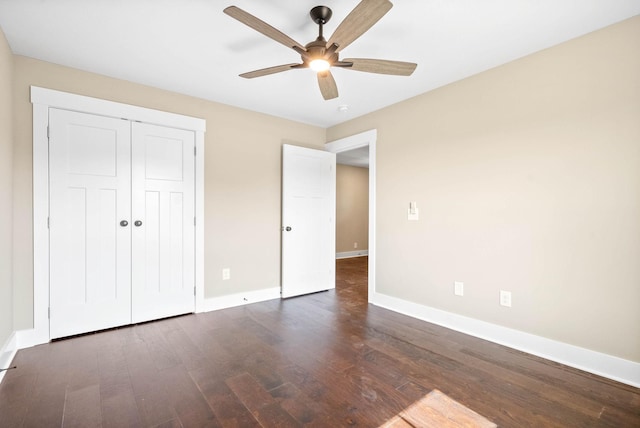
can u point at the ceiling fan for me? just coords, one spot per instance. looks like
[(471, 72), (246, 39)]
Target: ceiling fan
[(320, 55)]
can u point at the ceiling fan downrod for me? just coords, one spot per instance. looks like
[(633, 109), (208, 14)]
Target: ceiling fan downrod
[(320, 15)]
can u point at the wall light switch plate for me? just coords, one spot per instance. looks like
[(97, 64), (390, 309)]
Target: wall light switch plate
[(458, 288), (412, 212), (226, 274), (412, 215)]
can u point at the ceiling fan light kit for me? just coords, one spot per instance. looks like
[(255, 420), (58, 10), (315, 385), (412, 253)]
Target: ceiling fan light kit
[(319, 64), (320, 55)]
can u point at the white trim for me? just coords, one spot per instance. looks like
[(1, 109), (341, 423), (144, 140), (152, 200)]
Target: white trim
[(356, 141), (7, 353), (43, 99), (40, 332), (367, 138), (240, 299), (84, 104), (351, 254), (199, 213), (608, 366)]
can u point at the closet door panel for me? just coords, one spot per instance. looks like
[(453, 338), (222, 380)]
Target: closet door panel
[(90, 257), (163, 276)]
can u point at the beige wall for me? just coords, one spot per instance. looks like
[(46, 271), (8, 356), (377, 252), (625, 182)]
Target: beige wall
[(6, 168), (352, 208), (242, 178), (527, 178)]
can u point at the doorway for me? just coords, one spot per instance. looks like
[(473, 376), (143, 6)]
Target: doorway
[(358, 144)]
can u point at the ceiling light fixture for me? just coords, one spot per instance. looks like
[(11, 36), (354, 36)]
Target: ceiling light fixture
[(319, 64), (320, 55)]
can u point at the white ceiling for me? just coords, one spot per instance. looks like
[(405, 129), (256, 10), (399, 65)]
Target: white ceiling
[(357, 157), (192, 47)]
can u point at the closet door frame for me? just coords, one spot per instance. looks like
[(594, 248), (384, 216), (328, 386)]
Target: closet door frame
[(42, 100)]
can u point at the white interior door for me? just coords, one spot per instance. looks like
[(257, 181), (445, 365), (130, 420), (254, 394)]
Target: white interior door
[(308, 220), (163, 233), (90, 256)]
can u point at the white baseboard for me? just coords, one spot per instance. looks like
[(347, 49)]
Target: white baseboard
[(239, 299), (608, 366), (30, 337), (350, 254), (7, 353)]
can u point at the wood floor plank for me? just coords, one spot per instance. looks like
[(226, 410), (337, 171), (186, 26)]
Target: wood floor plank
[(120, 410), (154, 404), (296, 404), (247, 389), (45, 408), (227, 407), (13, 415), (82, 408), (162, 353), (264, 408), (333, 408), (173, 423), (190, 355), (186, 399)]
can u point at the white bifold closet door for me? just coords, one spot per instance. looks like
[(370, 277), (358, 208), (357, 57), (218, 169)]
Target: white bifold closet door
[(163, 269), (121, 222)]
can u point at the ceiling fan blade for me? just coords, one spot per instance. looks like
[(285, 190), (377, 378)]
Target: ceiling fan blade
[(381, 66), (270, 70), (261, 27), (327, 84), (361, 18)]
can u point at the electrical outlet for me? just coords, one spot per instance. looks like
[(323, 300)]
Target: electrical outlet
[(458, 288), (226, 274), (505, 298), (355, 245)]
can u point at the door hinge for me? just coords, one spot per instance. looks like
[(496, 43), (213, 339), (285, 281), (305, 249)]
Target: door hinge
[(194, 221), (47, 132), (195, 151), (194, 291), (49, 313), (48, 223)]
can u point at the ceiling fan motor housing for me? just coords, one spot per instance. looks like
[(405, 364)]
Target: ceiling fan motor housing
[(317, 49)]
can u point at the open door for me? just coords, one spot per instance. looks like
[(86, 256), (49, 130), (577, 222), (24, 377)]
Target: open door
[(308, 220)]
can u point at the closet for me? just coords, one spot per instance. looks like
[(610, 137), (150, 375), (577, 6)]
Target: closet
[(121, 222)]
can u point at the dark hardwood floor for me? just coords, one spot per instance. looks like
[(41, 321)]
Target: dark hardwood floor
[(324, 360)]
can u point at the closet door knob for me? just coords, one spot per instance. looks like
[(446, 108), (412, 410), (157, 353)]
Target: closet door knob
[(124, 223), (138, 223)]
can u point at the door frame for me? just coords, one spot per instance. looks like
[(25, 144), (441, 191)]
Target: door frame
[(364, 139), (42, 99)]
